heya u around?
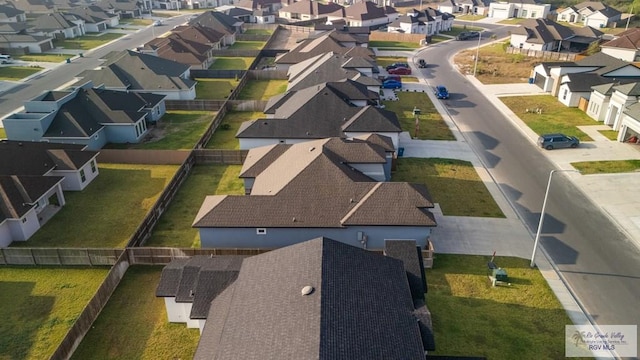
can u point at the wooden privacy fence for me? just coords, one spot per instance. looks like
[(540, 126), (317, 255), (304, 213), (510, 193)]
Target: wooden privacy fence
[(197, 104), (248, 105), (544, 55), (386, 36), (220, 156), (152, 157), (56, 256)]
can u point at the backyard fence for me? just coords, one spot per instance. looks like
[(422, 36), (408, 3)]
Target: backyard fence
[(267, 74), (152, 157), (59, 256), (252, 37), (216, 74), (197, 104), (235, 53), (544, 55), (248, 105), (219, 156), (386, 36)]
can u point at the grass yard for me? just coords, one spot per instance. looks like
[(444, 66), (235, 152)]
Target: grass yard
[(3, 134), (17, 72), (609, 134), (262, 89), (454, 184), (555, 117), (133, 324), (409, 79), (607, 167), (511, 21), (231, 63), (137, 22), (393, 45), (438, 39), (247, 45), (258, 32), (177, 130), (432, 126), (383, 61), (108, 211), (87, 42), (225, 138), (39, 306), (215, 89), (472, 318), (495, 66), (470, 17), (54, 58), (174, 227)]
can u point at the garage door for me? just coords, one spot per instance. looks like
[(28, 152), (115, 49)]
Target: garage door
[(500, 13), (539, 80)]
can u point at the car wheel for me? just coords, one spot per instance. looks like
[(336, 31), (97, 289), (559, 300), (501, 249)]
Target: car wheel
[(573, 146), (549, 147)]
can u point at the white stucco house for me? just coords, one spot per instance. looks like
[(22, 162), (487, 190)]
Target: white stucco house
[(625, 46), (429, 22), (527, 9), (590, 13)]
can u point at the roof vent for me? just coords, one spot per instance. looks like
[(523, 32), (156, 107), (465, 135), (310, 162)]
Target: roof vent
[(190, 293), (265, 123), (294, 219), (312, 148), (307, 290)]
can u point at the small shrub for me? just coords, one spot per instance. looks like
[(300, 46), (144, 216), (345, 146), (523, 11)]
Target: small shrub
[(225, 126), (518, 58)]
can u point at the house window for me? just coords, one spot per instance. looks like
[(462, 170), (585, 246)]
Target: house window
[(533, 14), (261, 231), (83, 177), (24, 220), (93, 166), (564, 94), (524, 13), (563, 17)]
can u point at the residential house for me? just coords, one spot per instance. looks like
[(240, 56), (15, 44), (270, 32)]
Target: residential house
[(625, 45), (206, 4), (331, 67), (95, 18), (167, 4), (524, 9), (331, 289), (604, 69), (429, 22), (33, 6), (32, 43), (221, 23), (143, 73), (89, 116), (609, 101), (590, 13), (192, 45), (464, 7), (57, 26), (9, 14), (11, 28), (548, 35), (337, 109), (268, 6), (125, 9), (365, 14), (351, 45), (33, 176), (348, 205), (308, 10), (630, 123), (239, 13)]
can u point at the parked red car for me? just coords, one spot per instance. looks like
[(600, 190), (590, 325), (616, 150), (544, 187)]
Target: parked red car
[(400, 71)]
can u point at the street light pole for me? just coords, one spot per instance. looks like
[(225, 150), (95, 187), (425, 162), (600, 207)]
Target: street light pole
[(475, 65), (542, 212)]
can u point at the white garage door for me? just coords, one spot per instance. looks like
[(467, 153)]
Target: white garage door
[(499, 13)]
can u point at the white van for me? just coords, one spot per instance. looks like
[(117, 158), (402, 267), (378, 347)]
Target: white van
[(5, 59)]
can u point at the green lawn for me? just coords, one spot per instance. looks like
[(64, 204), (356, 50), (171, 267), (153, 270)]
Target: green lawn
[(226, 139), (247, 45), (87, 42), (455, 30), (610, 134), (108, 211), (139, 22), (39, 306), (133, 324), (409, 79), (607, 167), (472, 318), (54, 58), (262, 89), (17, 72), (454, 184), (470, 17), (432, 126), (215, 89), (394, 45), (512, 21), (438, 38), (231, 63), (177, 130), (174, 228), (258, 32), (555, 117), (3, 134)]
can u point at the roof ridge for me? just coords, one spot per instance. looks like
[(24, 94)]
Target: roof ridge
[(361, 202), (6, 203), (23, 192)]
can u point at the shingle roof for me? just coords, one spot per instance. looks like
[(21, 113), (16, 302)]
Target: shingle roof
[(327, 67), (311, 8), (359, 308), (319, 112), (310, 173), (38, 158), (633, 110), (409, 253), (217, 21), (582, 82), (19, 192), (9, 11), (53, 22), (629, 39), (323, 44), (604, 62)]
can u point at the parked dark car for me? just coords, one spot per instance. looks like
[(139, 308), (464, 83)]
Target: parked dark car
[(422, 63), (391, 84), (392, 77), (557, 141), (466, 35), (397, 64), (400, 71), (441, 92)]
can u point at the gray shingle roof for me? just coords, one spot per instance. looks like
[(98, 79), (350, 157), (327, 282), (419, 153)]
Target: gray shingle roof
[(582, 82), (38, 158), (308, 173), (630, 89), (323, 44), (360, 307), (633, 110), (604, 62), (409, 253), (323, 68), (19, 192)]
